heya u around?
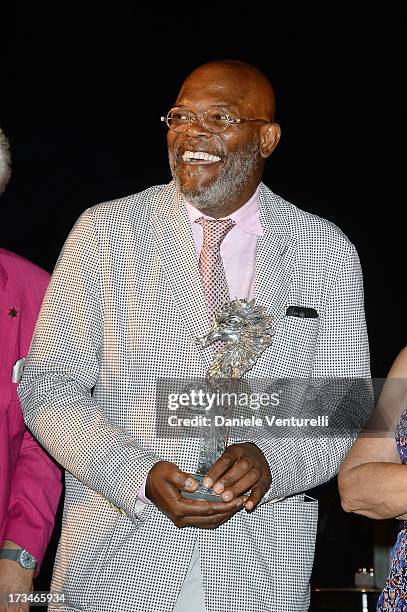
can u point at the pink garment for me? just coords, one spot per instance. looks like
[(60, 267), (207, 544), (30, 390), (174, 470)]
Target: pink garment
[(213, 278), (238, 252), (30, 481)]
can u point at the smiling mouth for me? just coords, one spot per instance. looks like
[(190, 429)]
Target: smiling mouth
[(199, 157)]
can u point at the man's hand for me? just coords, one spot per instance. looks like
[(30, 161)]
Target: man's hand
[(163, 487), (240, 468), (14, 579)]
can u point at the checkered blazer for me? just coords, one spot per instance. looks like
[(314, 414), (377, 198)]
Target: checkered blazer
[(123, 307)]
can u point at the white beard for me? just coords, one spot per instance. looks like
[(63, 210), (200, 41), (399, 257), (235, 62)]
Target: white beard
[(231, 179)]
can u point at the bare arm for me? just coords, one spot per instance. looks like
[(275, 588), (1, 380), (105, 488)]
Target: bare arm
[(372, 480)]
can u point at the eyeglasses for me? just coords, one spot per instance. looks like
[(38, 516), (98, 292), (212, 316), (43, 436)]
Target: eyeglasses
[(214, 120)]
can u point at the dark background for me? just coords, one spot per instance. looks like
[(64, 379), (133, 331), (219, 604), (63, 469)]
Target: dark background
[(81, 99)]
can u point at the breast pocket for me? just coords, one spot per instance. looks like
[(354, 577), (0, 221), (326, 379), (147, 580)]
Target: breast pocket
[(295, 344)]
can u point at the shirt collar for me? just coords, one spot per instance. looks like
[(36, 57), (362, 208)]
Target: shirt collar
[(247, 217)]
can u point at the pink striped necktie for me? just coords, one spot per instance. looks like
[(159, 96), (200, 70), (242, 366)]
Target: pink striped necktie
[(210, 262)]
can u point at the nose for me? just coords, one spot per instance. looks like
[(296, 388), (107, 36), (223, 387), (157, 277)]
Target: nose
[(197, 128)]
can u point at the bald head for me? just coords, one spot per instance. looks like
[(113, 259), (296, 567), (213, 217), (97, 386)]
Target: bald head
[(250, 87), (226, 132)]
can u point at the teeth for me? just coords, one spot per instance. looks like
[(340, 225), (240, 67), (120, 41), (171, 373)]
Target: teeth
[(189, 155)]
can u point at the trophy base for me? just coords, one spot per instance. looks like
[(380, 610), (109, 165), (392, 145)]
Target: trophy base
[(202, 492)]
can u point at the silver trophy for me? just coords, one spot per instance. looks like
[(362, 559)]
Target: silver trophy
[(245, 330)]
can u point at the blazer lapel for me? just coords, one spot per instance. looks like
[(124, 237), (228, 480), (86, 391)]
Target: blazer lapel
[(175, 245), (173, 238), (275, 256)]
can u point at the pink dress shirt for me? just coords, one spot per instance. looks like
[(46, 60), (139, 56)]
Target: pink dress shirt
[(238, 252), (30, 481)]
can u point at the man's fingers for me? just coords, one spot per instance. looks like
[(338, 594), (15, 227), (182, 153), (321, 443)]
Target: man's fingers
[(241, 486), (168, 471), (221, 466), (255, 497), (204, 522), (166, 476), (236, 480), (200, 508), (182, 480), (243, 469)]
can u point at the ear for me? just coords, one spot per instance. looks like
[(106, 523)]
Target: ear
[(269, 137)]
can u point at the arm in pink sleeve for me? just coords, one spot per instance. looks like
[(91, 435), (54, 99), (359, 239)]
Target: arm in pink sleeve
[(35, 491)]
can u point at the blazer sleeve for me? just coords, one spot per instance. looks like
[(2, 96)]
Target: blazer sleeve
[(61, 371), (341, 378)]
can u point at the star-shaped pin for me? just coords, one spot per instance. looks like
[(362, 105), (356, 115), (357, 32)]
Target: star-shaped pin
[(12, 313)]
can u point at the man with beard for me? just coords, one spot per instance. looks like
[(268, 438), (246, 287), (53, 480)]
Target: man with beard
[(132, 289)]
